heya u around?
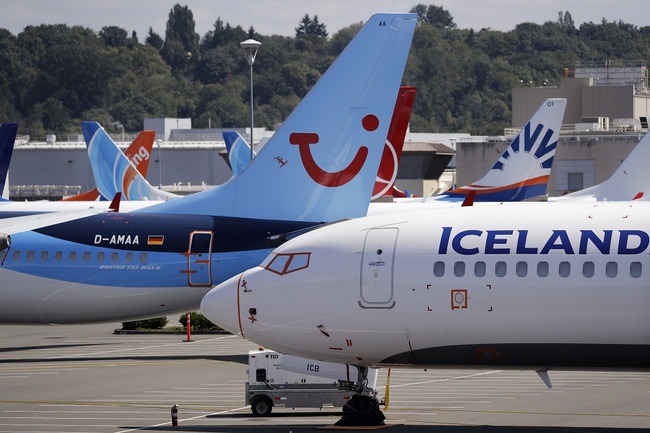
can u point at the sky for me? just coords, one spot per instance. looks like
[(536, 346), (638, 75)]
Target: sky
[(281, 17)]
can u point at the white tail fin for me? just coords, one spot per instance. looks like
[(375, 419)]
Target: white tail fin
[(630, 181), (523, 169)]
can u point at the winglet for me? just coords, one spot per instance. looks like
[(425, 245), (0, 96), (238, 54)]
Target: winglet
[(543, 374), (469, 199), (115, 204)]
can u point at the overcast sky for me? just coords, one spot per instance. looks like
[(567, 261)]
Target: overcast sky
[(280, 17)]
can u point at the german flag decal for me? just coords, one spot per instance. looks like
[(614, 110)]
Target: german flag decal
[(155, 240)]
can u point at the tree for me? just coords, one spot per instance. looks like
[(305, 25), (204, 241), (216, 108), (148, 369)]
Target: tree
[(311, 27), (113, 36), (565, 20), (154, 39), (181, 48), (435, 16)]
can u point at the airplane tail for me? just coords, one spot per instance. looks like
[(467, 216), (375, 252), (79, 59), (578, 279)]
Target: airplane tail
[(385, 182), (138, 152), (113, 171), (322, 163), (239, 151), (523, 169), (7, 138), (630, 181)]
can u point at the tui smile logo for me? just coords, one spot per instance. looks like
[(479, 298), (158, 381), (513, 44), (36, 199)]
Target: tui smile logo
[(326, 178)]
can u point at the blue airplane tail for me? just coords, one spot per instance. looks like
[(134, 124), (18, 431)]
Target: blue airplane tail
[(523, 169), (322, 162), (7, 138), (113, 171), (239, 152)]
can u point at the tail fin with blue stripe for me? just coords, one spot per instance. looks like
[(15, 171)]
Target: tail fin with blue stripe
[(113, 171), (239, 151), (523, 169), (138, 152), (322, 163)]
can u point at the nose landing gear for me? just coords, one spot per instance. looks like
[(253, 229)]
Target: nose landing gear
[(363, 408)]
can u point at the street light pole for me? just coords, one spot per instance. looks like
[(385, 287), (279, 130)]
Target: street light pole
[(250, 47)]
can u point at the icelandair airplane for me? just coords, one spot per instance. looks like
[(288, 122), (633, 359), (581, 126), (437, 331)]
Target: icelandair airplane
[(138, 153), (534, 285), (163, 259)]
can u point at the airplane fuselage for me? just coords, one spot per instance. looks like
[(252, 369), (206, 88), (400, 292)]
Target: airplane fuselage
[(117, 265), (531, 284)]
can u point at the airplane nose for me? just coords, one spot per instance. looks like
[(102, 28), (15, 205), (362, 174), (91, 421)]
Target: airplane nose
[(220, 305)]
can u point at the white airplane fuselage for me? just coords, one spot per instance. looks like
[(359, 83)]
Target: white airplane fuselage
[(521, 285)]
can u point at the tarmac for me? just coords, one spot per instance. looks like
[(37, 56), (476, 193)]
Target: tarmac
[(86, 378)]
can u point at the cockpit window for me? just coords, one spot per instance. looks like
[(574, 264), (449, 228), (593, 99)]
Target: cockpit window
[(283, 264)]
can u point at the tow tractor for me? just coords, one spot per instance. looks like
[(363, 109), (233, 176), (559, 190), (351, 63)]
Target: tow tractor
[(275, 379)]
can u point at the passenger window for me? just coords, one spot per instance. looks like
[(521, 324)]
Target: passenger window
[(500, 269), (30, 256), (85, 256), (115, 257), (459, 269), (143, 258), (128, 257), (565, 269), (44, 256), (611, 269), (101, 256), (16, 256), (588, 269), (542, 269), (479, 269), (522, 269), (635, 269), (439, 269), (72, 256), (58, 256)]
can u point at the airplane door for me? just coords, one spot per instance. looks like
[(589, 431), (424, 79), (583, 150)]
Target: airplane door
[(199, 264), (376, 283)]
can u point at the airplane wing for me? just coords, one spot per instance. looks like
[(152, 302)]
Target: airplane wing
[(20, 224)]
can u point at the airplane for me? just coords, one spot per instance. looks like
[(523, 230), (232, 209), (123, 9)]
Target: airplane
[(630, 181), (7, 138), (163, 259), (514, 285), (138, 152), (523, 169), (239, 151), (520, 173), (114, 172)]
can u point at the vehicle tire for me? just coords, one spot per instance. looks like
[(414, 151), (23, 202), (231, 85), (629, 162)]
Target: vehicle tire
[(262, 406)]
